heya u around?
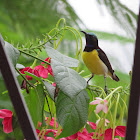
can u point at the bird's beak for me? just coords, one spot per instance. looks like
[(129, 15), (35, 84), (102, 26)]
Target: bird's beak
[(84, 32)]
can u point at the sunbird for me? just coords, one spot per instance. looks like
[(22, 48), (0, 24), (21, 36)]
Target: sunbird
[(96, 60)]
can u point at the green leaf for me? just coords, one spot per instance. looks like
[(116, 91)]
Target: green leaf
[(72, 114), (17, 129), (34, 76), (35, 102), (68, 80), (12, 53), (50, 88), (65, 60)]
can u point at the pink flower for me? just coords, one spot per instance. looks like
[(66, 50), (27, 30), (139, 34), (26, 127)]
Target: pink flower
[(73, 137), (106, 121), (92, 125), (52, 122), (44, 69), (79, 135), (85, 135), (82, 135), (51, 130), (30, 70), (6, 115), (39, 124), (38, 131), (54, 84), (46, 133), (102, 105)]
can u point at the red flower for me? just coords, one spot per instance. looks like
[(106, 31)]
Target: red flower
[(44, 69), (6, 115), (73, 137), (119, 131), (85, 135), (30, 70), (52, 122), (108, 134), (38, 131), (92, 125), (54, 84)]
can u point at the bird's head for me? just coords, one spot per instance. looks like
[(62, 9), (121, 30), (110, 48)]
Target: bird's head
[(91, 39)]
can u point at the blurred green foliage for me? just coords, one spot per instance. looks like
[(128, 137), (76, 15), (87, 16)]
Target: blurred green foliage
[(28, 19)]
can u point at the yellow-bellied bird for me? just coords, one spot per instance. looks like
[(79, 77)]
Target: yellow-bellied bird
[(96, 60)]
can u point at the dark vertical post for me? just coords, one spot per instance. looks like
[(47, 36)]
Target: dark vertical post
[(134, 101), (16, 97)]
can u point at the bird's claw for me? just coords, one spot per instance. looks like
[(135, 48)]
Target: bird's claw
[(105, 89)]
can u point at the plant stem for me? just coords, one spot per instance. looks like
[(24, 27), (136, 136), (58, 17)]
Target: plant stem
[(110, 95), (24, 78), (48, 104), (34, 57), (34, 63), (114, 119), (48, 121)]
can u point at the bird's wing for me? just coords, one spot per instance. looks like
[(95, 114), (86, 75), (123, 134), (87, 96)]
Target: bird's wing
[(104, 58)]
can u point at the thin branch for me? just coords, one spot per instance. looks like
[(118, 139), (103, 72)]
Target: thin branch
[(34, 57), (24, 78), (48, 104)]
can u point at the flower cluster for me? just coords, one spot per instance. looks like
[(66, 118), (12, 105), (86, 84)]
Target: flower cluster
[(30, 70), (84, 135), (44, 69), (40, 70), (6, 115), (119, 131)]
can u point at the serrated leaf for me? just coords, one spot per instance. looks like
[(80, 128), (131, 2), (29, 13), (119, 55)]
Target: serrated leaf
[(12, 53), (72, 114), (35, 102), (68, 80), (65, 60)]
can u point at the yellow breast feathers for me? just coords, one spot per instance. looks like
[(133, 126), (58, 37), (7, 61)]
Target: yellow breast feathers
[(94, 63)]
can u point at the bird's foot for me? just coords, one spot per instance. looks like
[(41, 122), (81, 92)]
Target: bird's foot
[(90, 78), (87, 82), (105, 89)]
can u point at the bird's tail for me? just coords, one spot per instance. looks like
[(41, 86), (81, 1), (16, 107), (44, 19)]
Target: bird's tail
[(115, 77)]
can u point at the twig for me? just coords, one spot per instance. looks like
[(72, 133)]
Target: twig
[(24, 78), (34, 57)]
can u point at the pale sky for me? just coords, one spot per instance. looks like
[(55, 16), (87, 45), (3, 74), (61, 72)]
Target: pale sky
[(97, 17)]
